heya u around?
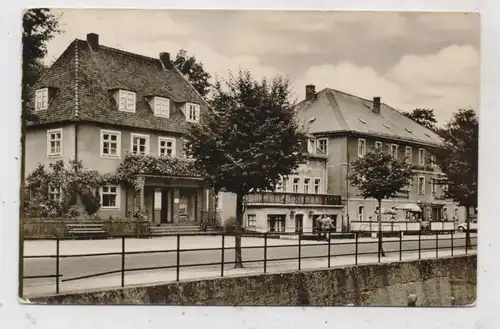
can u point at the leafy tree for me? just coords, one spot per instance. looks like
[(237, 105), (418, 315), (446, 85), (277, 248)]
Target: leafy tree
[(379, 176), (194, 71), (458, 159), (39, 26), (249, 141), (425, 117)]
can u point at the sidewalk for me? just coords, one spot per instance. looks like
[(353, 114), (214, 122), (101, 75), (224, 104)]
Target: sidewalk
[(74, 247), (148, 278)]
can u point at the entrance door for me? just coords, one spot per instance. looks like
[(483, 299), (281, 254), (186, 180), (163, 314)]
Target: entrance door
[(299, 222), (164, 208), (436, 214)]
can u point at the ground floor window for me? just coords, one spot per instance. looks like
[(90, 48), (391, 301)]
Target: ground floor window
[(276, 223), (361, 213), (55, 193), (252, 221), (109, 196)]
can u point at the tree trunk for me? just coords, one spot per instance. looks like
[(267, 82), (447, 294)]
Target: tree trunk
[(239, 220), (467, 232), (21, 208), (380, 249)]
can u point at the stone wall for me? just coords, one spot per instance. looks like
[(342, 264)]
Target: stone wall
[(436, 282)]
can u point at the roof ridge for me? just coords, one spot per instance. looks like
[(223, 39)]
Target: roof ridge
[(388, 106), (124, 52), (77, 62)]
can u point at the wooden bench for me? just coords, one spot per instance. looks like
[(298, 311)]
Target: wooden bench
[(87, 230)]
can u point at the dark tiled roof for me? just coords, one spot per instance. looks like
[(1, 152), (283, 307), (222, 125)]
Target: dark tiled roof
[(335, 111), (83, 82)]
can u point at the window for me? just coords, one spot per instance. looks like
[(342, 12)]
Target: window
[(126, 101), (408, 154), (361, 147), (361, 213), (162, 107), (378, 145), (394, 151), (54, 142), (110, 143), (433, 187), (285, 184), (55, 193), (252, 221), (421, 156), (317, 185), (276, 223), (295, 187), (110, 196), (421, 185), (139, 144), (42, 99), (306, 185), (455, 213), (323, 146), (192, 112), (166, 146), (311, 146)]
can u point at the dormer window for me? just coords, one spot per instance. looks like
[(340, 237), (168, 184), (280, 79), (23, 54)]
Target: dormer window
[(42, 99), (192, 112), (161, 107), (126, 101)]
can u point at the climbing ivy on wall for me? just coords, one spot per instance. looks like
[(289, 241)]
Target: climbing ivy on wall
[(148, 164), (68, 183)]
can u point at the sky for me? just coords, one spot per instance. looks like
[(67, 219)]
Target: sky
[(410, 60)]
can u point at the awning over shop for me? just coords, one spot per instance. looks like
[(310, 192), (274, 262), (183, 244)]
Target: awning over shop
[(409, 207)]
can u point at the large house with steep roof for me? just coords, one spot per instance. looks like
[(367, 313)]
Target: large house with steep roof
[(346, 127), (99, 105)]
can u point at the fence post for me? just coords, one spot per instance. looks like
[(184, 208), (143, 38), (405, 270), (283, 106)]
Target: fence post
[(329, 247), (178, 256), (123, 262), (452, 243), (419, 240), (222, 256), (356, 249), (466, 234), (437, 244), (300, 239), (57, 265), (400, 245), (265, 252)]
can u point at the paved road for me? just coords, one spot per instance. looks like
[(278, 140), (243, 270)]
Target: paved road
[(71, 267)]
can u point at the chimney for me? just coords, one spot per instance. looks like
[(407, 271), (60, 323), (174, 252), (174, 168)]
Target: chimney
[(93, 41), (310, 92), (376, 105), (165, 61)]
